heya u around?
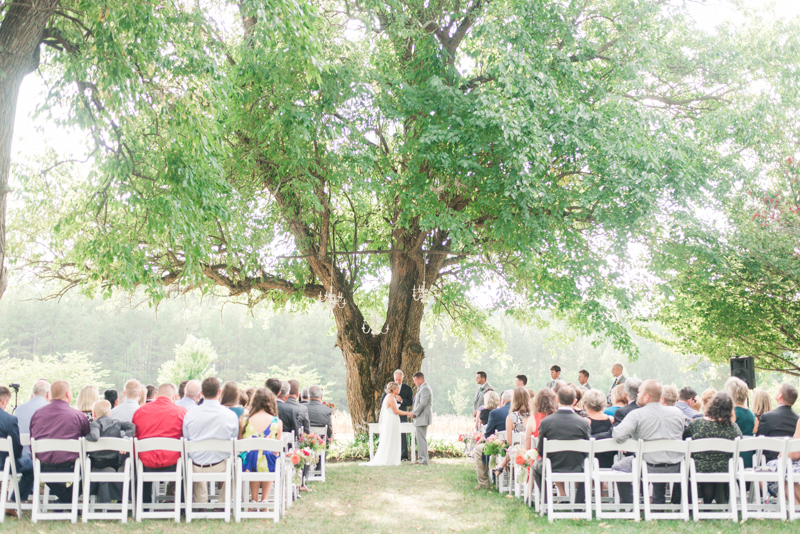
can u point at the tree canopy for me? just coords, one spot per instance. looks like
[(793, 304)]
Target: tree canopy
[(504, 154)]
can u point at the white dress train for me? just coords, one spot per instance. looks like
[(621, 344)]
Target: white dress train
[(389, 449)]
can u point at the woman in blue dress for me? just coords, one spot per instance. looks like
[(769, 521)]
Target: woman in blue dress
[(262, 422)]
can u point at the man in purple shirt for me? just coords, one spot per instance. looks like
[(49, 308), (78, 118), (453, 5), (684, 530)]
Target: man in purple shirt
[(59, 421)]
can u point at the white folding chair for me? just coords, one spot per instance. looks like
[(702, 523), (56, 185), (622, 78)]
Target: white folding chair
[(243, 481), (616, 509), (792, 478), (157, 510), (9, 480), (515, 471), (665, 511), (287, 445), (39, 447), (206, 509), (760, 508), (550, 477), (708, 510), (318, 473), (125, 477)]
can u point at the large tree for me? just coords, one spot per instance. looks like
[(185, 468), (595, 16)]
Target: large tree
[(502, 154)]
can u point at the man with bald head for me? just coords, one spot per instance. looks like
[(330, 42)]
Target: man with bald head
[(652, 421), (58, 420), (161, 418), (191, 394), (124, 412)]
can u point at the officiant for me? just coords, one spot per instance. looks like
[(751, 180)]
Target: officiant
[(405, 400)]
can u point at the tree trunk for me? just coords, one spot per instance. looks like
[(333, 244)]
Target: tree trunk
[(371, 359), (20, 35)]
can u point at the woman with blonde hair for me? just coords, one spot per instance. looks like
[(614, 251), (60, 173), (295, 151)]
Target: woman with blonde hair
[(618, 399), (745, 419), (706, 397), (491, 401), (517, 418), (86, 399), (762, 403), (389, 451)]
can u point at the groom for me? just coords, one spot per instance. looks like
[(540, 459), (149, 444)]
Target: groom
[(422, 416)]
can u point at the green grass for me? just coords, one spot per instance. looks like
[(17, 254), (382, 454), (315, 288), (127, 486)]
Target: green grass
[(438, 499)]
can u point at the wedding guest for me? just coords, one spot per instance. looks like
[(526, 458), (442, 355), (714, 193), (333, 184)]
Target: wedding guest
[(687, 404), (161, 418), (745, 419), (103, 426), (520, 381), (483, 388), (304, 396), (618, 399), (794, 465), (210, 420), (558, 384), (717, 422), (294, 393), (544, 403), (578, 406), (781, 421), (517, 419), (192, 391), (143, 396), (261, 422), (555, 374), (531, 394), (631, 386), (58, 420), (274, 385), (319, 414), (761, 404), (564, 424), (249, 391), (124, 412), (583, 379), (669, 395), (152, 393), (86, 399), (9, 427), (112, 397), (182, 388), (230, 398), (599, 422), (619, 378), (491, 402), (497, 417), (651, 421), (706, 397), (25, 411)]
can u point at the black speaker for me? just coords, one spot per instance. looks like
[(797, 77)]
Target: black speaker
[(744, 368)]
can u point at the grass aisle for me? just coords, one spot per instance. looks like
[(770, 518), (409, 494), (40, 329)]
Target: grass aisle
[(438, 499)]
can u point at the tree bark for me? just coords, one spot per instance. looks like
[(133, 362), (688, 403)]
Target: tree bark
[(20, 34)]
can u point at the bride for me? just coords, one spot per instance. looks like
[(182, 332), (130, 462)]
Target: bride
[(389, 423)]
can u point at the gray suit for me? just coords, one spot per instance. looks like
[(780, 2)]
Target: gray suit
[(422, 418), (482, 390)]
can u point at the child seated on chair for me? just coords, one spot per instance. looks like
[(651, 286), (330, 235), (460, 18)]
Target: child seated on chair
[(105, 427)]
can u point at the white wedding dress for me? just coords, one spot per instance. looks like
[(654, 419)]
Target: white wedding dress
[(389, 449)]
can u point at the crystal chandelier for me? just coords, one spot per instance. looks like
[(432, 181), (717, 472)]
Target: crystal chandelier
[(332, 299), (421, 293), (368, 330)]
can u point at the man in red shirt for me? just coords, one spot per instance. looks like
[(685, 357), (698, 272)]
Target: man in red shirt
[(161, 418)]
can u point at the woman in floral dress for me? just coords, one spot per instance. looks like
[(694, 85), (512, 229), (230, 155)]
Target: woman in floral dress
[(262, 422)]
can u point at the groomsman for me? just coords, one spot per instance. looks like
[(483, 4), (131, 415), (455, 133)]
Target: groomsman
[(405, 399), (619, 378), (483, 389)]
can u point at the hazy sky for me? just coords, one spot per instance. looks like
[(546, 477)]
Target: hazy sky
[(28, 141)]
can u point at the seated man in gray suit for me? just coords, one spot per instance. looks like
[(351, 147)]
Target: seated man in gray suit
[(318, 413)]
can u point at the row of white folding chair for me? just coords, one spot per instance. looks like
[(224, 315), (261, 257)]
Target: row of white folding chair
[(82, 470), (9, 479), (685, 477), (318, 474)]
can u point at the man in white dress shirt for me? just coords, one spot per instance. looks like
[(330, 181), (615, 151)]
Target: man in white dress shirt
[(124, 412), (209, 420), (191, 395)]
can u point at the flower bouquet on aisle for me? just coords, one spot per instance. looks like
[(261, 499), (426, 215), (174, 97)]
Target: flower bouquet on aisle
[(495, 448), (330, 405), (300, 458), (524, 459), (312, 441), (469, 440)]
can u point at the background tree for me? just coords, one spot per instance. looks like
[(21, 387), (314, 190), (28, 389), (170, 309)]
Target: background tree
[(510, 148), (194, 360), (731, 285)]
